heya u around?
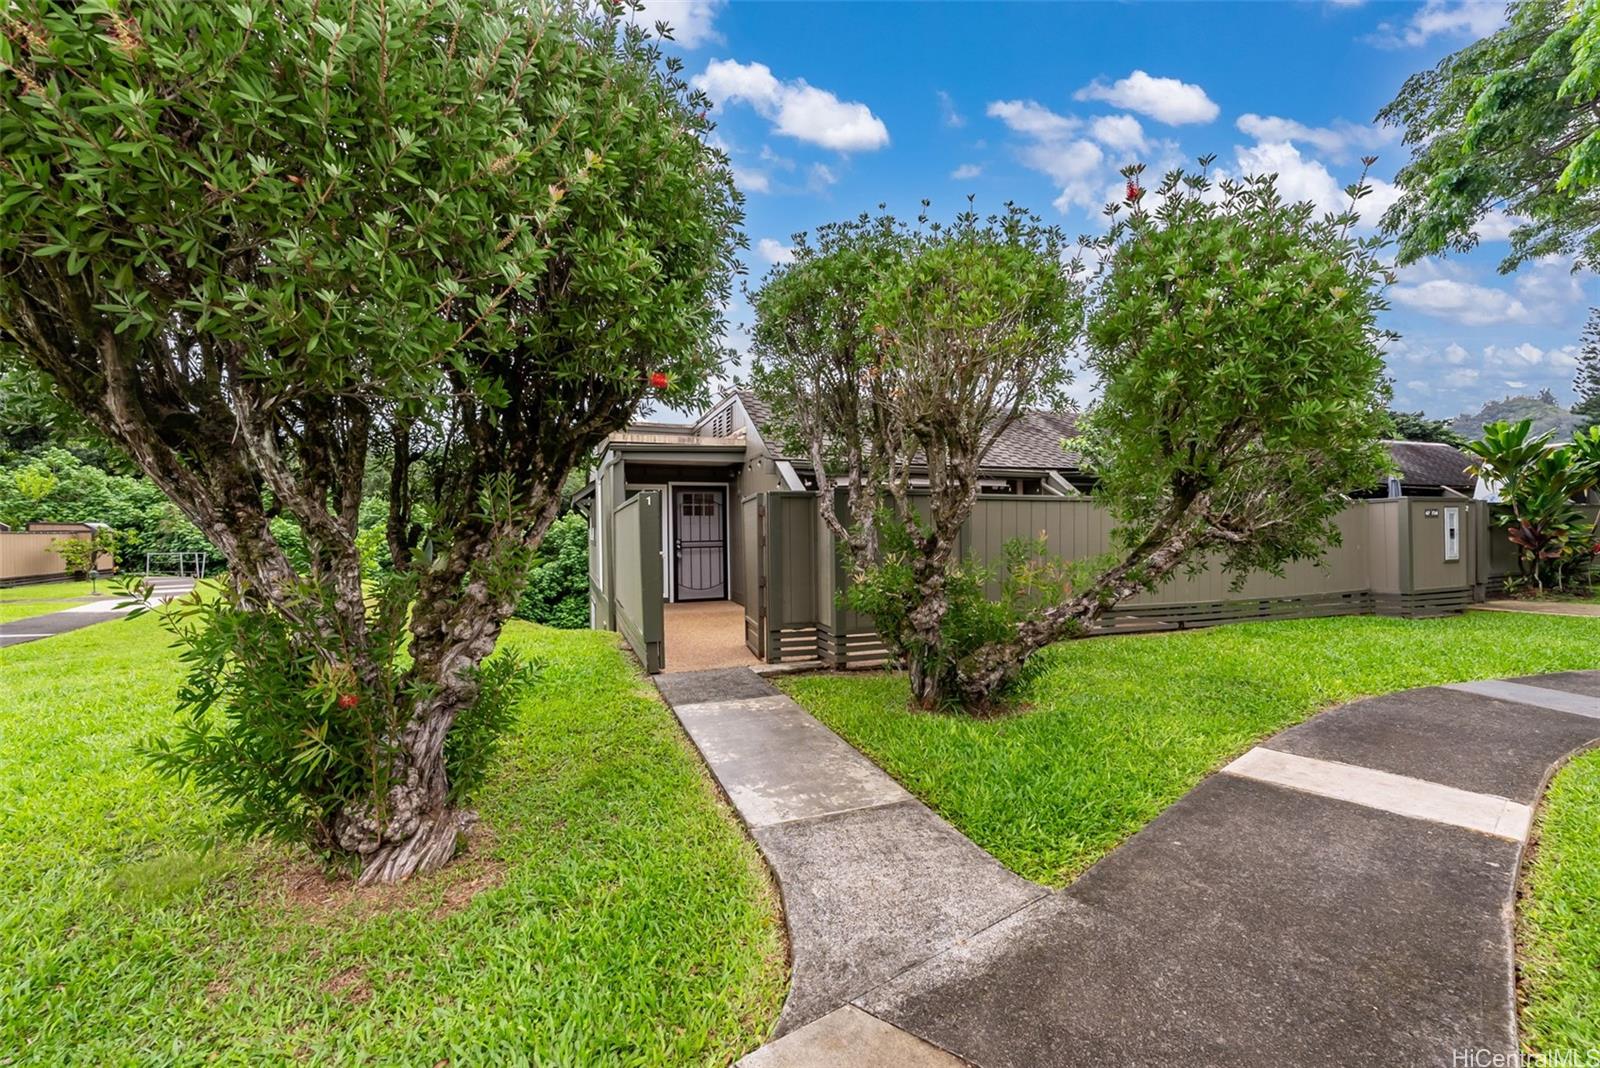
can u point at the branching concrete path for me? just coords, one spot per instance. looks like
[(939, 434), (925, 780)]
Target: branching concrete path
[(49, 624), (1342, 894)]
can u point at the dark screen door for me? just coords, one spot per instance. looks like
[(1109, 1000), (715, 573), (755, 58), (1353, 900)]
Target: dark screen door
[(699, 544)]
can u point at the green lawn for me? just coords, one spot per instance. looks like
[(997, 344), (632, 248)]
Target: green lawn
[(1113, 730), (20, 602), (1559, 919), (617, 917), (45, 591)]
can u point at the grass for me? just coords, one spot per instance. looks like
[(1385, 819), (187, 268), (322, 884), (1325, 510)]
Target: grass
[(1559, 922), (1113, 730), (616, 916), (21, 602), (50, 591)]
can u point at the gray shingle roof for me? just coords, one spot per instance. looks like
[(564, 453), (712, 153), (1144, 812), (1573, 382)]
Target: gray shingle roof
[(1430, 463), (1032, 443)]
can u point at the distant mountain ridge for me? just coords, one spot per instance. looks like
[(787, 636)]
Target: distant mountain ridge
[(1545, 411)]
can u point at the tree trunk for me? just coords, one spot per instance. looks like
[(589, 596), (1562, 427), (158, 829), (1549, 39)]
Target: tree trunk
[(418, 828)]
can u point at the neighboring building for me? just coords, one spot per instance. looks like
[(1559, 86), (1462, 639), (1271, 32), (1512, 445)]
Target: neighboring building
[(1426, 469)]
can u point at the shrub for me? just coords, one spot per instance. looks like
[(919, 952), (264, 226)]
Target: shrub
[(282, 741), (558, 586)]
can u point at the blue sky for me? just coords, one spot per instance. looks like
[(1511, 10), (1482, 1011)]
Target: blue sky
[(828, 109)]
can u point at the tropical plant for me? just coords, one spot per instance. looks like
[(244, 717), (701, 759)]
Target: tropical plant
[(257, 245), (1538, 485)]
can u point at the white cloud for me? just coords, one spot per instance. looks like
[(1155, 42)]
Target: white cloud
[(1032, 118), (1442, 18), (966, 171), (1118, 131), (1462, 302), (795, 108), (691, 21), (820, 176), (751, 181), (1551, 288), (774, 251), (1301, 178), (1497, 226), (948, 112), (769, 156), (1164, 99), (1340, 140)]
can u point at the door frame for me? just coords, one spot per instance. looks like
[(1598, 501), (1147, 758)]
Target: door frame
[(669, 550)]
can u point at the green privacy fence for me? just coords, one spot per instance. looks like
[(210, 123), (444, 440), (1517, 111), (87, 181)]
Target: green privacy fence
[(1407, 556)]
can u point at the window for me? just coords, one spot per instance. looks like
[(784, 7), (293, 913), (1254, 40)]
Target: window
[(1452, 534)]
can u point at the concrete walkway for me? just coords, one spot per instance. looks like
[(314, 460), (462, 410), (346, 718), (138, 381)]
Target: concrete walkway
[(1342, 894), (872, 881), (50, 624)]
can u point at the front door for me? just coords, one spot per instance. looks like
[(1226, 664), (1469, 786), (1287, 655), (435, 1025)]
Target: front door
[(699, 543)]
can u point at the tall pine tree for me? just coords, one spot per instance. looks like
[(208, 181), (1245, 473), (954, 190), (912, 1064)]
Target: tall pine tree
[(1586, 382)]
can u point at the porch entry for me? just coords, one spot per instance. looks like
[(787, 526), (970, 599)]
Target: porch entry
[(699, 543)]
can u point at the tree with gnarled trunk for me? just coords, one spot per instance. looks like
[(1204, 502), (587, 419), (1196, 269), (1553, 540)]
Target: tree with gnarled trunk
[(256, 244), (893, 354), (1235, 339)]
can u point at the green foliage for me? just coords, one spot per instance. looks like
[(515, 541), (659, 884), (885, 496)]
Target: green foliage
[(262, 244), (1507, 125), (601, 846), (1539, 483), (885, 349), (56, 486), (1416, 426), (1237, 340), (1029, 580), (1109, 732), (281, 741), (1586, 380), (557, 593)]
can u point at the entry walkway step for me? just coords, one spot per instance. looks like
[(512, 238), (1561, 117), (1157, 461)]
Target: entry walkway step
[(872, 880)]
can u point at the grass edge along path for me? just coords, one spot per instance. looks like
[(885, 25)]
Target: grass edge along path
[(1558, 917), (617, 915)]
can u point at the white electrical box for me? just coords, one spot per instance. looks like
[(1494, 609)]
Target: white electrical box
[(1452, 533)]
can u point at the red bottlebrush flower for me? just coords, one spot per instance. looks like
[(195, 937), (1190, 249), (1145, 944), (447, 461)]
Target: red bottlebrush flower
[(348, 701), (658, 380), (1134, 192)]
